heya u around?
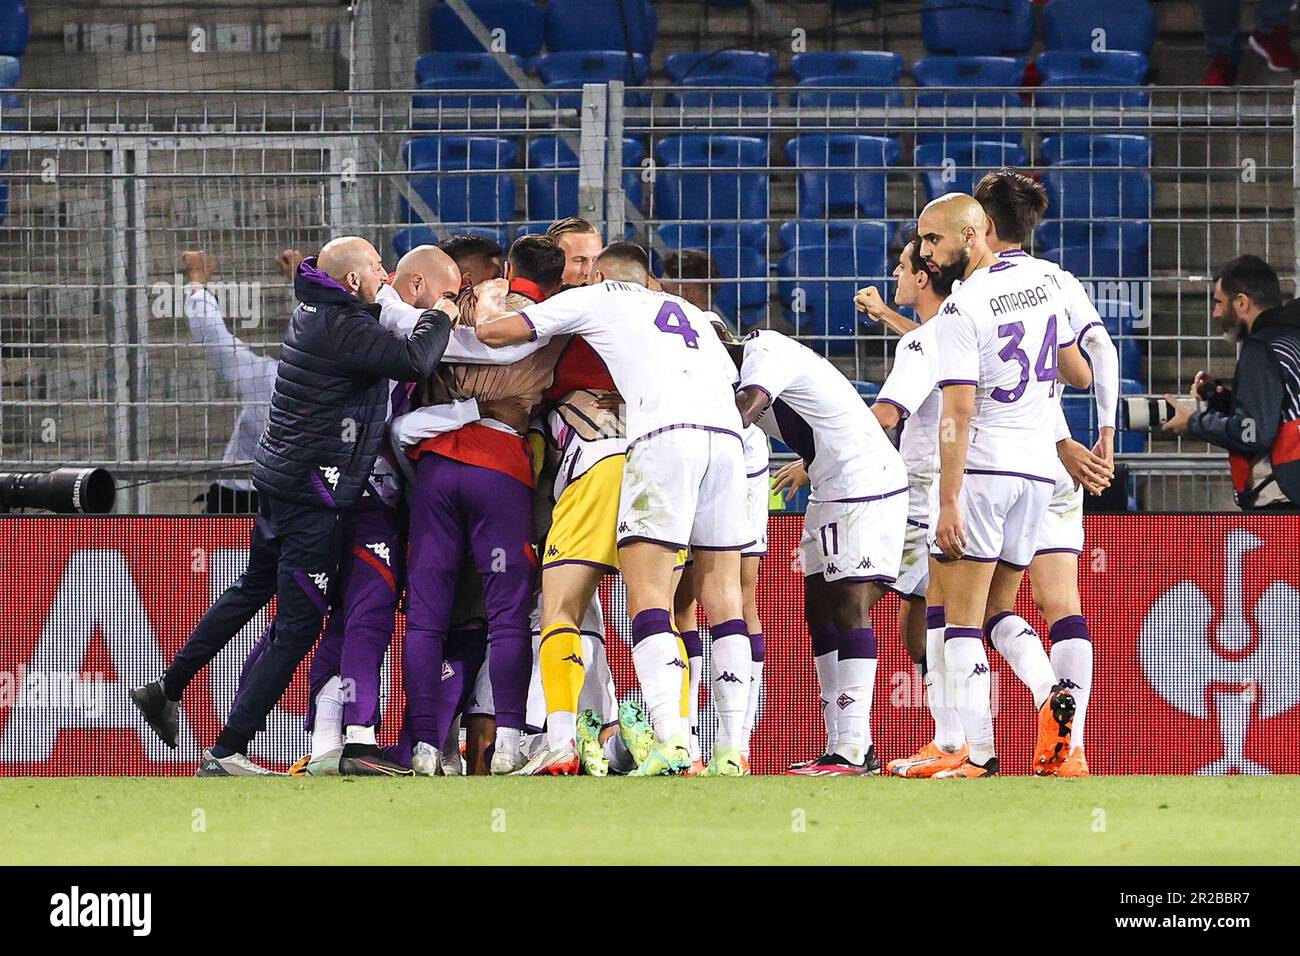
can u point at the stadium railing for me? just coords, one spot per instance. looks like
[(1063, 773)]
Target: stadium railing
[(800, 195)]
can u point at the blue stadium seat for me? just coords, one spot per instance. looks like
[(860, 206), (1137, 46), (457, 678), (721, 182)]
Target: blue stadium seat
[(852, 67), (1100, 24), (977, 27), (817, 284), (15, 27), (707, 96), (702, 235), (522, 22), (812, 94), (724, 65), (859, 192), (704, 178), (1085, 68), (975, 73), (462, 71), (447, 72), (1095, 260), (1076, 68), (1056, 233), (868, 391), (404, 240), (744, 302), (1120, 317), (594, 24), (825, 232), (483, 197), (1078, 189), (1101, 149), (1081, 415), (11, 70), (970, 161), (575, 67), (552, 194)]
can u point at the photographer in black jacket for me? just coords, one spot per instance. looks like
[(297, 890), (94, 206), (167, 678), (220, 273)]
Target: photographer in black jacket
[(326, 421), (1258, 420)]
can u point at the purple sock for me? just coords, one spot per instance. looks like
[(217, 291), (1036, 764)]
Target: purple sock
[(1074, 627), (934, 617), (824, 640), (653, 620), (757, 647), (857, 642), (728, 628), (694, 646)]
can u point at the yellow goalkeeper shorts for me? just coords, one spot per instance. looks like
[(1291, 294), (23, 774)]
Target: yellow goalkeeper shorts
[(585, 520)]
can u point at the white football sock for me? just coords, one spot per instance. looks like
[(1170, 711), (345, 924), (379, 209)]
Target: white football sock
[(827, 688), (1022, 649), (561, 729), (327, 728), (1072, 662), (695, 667), (509, 740), (968, 671), (751, 712), (730, 664), (948, 735), (857, 682), (659, 670)]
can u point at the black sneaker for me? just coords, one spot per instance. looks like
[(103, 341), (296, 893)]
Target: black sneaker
[(163, 715), (836, 765), (367, 760), (872, 762)]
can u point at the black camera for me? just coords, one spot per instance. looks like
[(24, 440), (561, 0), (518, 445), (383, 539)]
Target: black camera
[(89, 491)]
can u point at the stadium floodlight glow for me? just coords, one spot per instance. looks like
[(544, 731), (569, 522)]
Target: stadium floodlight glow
[(90, 491)]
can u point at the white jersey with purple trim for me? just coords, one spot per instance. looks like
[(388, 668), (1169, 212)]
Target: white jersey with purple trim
[(669, 366), (818, 413), (912, 387), (1002, 330), (758, 487)]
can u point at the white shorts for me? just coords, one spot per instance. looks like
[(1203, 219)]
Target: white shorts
[(1001, 515), (854, 540), (685, 486), (1062, 527), (914, 568), (759, 496)]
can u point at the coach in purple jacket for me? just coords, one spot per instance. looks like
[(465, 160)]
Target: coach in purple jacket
[(326, 421)]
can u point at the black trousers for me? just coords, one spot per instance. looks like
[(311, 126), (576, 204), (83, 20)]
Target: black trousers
[(293, 556)]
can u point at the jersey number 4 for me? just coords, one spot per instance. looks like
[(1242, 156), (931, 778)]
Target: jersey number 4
[(672, 319)]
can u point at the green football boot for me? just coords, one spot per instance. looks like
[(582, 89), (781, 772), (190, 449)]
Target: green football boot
[(591, 754)]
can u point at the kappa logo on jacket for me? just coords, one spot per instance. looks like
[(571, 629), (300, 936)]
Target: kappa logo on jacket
[(380, 549), (321, 580), (331, 475)]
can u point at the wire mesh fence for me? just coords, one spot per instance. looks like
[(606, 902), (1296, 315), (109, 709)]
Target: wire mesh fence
[(113, 354)]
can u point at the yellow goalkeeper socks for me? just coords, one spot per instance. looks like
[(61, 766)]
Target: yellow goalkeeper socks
[(563, 672)]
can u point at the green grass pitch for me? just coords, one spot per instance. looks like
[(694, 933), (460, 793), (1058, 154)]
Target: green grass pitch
[(759, 820)]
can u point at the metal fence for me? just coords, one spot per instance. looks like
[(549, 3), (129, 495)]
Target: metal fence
[(799, 195)]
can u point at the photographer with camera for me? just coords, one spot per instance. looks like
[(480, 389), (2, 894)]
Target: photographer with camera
[(1258, 419)]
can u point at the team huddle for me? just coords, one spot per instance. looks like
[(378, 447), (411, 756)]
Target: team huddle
[(509, 440)]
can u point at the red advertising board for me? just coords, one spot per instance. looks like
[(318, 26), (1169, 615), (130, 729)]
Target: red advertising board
[(1195, 619)]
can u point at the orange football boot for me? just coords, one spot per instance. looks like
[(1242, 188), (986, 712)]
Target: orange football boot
[(697, 769), (744, 765), (299, 768), (1055, 718), (926, 762), (1075, 765), (969, 771)]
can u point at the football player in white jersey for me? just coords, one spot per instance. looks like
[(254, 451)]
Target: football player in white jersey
[(1014, 204), (1003, 335), (853, 529), (910, 399), (683, 485)]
